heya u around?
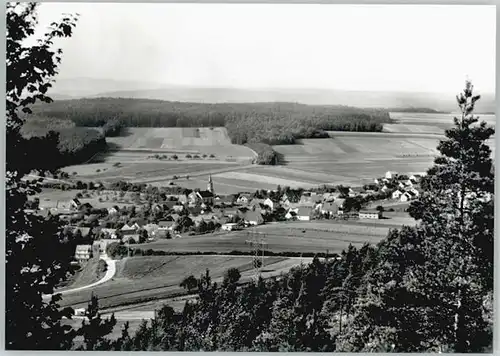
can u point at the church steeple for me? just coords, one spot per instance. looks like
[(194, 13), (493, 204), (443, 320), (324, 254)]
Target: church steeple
[(210, 185)]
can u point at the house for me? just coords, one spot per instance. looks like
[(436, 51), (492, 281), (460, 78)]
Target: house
[(229, 226), (151, 228), (253, 218), (83, 252), (206, 197), (407, 196), (391, 174), (269, 203), (75, 204), (370, 215), (414, 192), (165, 225), (409, 183), (174, 217), (304, 213), (385, 188), (329, 208), (243, 198), (113, 210), (377, 181), (225, 200), (329, 197), (401, 185), (178, 207), (291, 214), (193, 198), (396, 194), (108, 233), (84, 231), (130, 229), (309, 200)]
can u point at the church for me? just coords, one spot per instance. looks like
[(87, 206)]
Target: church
[(205, 196)]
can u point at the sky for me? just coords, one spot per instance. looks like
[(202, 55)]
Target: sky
[(425, 48)]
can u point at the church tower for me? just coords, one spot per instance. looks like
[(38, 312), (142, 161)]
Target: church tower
[(210, 185)]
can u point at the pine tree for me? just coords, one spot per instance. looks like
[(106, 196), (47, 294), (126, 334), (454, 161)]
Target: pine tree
[(94, 329), (428, 289)]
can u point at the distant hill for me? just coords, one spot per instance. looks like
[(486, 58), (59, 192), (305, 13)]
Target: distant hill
[(94, 88), (418, 110)]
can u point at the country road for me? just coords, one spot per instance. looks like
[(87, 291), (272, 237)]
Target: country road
[(110, 273)]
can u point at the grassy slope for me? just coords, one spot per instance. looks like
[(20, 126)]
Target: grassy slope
[(154, 277), (91, 272)]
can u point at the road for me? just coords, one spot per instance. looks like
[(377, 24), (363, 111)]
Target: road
[(110, 273)]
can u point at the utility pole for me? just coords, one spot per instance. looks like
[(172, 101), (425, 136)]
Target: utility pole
[(258, 244)]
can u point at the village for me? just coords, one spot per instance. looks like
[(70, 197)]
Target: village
[(157, 215)]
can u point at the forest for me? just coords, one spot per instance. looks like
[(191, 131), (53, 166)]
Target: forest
[(271, 123), (74, 144)]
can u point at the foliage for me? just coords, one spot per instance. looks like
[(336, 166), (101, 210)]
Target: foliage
[(94, 328), (265, 154), (36, 257), (428, 291), (271, 123)]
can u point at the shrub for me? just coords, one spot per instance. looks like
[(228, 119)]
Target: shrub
[(116, 164), (175, 157), (189, 156), (212, 155)]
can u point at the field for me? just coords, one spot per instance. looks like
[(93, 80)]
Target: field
[(139, 279), (314, 236), (349, 158), (182, 139)]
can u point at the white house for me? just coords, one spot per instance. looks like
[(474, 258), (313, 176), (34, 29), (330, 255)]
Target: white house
[(370, 214), (269, 203), (229, 226), (401, 185), (409, 183), (376, 181), (112, 211), (83, 252), (253, 218), (385, 188), (243, 199), (407, 196), (391, 174), (304, 213), (397, 194)]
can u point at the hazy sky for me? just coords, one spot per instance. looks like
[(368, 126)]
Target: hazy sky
[(353, 47)]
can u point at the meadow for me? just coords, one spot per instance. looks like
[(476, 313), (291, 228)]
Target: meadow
[(314, 236), (145, 278)]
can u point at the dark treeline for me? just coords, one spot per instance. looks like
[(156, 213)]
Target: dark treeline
[(417, 110), (74, 144), (271, 123)]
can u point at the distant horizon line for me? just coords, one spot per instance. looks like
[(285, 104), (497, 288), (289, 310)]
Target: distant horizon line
[(159, 86)]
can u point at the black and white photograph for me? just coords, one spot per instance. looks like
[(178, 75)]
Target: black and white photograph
[(249, 177)]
